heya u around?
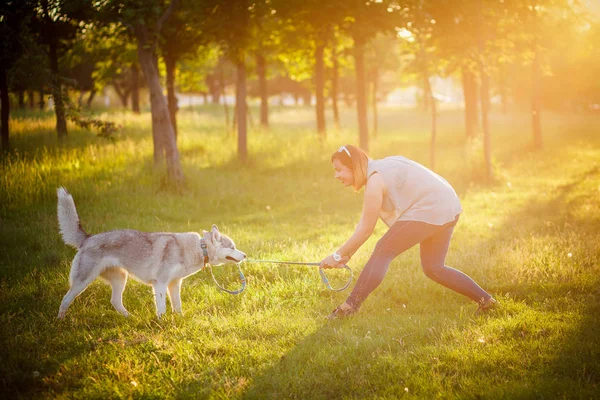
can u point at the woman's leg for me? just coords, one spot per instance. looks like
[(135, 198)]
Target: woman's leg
[(433, 256), (400, 237)]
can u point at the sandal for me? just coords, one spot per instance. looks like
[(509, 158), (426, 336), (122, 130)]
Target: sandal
[(340, 312), (486, 305)]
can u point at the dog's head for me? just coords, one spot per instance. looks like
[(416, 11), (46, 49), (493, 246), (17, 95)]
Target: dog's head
[(221, 249)]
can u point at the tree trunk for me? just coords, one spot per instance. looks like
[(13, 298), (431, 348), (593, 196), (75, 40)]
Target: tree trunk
[(171, 63), (429, 94), (374, 99), (320, 88), (348, 99), (470, 96), (4, 110), (21, 99), (240, 103), (249, 116), (31, 99), (162, 129), (502, 88), (57, 96), (361, 96), (536, 99), (235, 112), (485, 107), (213, 87), (91, 98), (306, 99), (42, 103), (484, 97), (334, 89), (225, 106), (135, 88), (261, 66), (123, 95)]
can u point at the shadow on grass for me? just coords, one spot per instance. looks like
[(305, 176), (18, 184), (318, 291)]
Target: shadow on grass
[(574, 370), (561, 302), (27, 360), (551, 217), (320, 366)]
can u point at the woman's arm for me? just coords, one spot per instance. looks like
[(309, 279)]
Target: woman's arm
[(374, 192)]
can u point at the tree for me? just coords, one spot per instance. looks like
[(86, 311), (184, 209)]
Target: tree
[(15, 17), (267, 33), (145, 22), (318, 19), (57, 23), (114, 50), (79, 64), (238, 50), (381, 57), (540, 19), (363, 20), (181, 36), (574, 58), (341, 70), (484, 91), (229, 24), (422, 43), (456, 34), (473, 40)]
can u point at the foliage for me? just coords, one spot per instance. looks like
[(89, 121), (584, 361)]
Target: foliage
[(106, 129), (193, 69), (15, 17)]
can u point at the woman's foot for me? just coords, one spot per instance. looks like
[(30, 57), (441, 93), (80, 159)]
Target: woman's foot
[(486, 305), (345, 310)]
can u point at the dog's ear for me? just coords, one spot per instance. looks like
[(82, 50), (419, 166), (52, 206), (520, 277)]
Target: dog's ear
[(215, 233)]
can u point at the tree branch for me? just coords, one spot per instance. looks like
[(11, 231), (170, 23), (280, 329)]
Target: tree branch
[(126, 25), (166, 15)]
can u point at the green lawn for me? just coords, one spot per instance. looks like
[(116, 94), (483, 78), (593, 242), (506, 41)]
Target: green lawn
[(530, 238)]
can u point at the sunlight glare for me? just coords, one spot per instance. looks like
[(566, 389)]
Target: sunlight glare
[(405, 34)]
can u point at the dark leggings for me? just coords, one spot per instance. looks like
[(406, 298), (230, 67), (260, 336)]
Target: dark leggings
[(434, 242)]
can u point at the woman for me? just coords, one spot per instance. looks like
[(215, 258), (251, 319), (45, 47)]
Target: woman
[(417, 205)]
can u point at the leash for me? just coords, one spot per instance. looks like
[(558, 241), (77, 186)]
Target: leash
[(324, 278), (207, 265), (242, 278)]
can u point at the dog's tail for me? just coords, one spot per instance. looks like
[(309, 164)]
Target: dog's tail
[(68, 220)]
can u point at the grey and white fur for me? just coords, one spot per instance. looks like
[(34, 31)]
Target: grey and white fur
[(160, 259)]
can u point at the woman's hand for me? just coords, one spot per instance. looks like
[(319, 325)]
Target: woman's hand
[(329, 262)]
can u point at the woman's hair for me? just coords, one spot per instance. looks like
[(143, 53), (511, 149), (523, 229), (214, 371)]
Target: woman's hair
[(355, 159)]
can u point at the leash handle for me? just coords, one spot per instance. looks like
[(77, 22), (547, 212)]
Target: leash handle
[(326, 281), (242, 279)]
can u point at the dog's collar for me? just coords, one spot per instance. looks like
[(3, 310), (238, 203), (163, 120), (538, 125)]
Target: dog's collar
[(204, 251)]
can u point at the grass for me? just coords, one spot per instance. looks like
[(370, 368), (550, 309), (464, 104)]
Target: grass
[(530, 238)]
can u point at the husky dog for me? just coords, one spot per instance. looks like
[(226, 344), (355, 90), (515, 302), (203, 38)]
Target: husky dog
[(159, 259)]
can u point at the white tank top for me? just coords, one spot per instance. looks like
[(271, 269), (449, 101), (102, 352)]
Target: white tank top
[(414, 193)]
